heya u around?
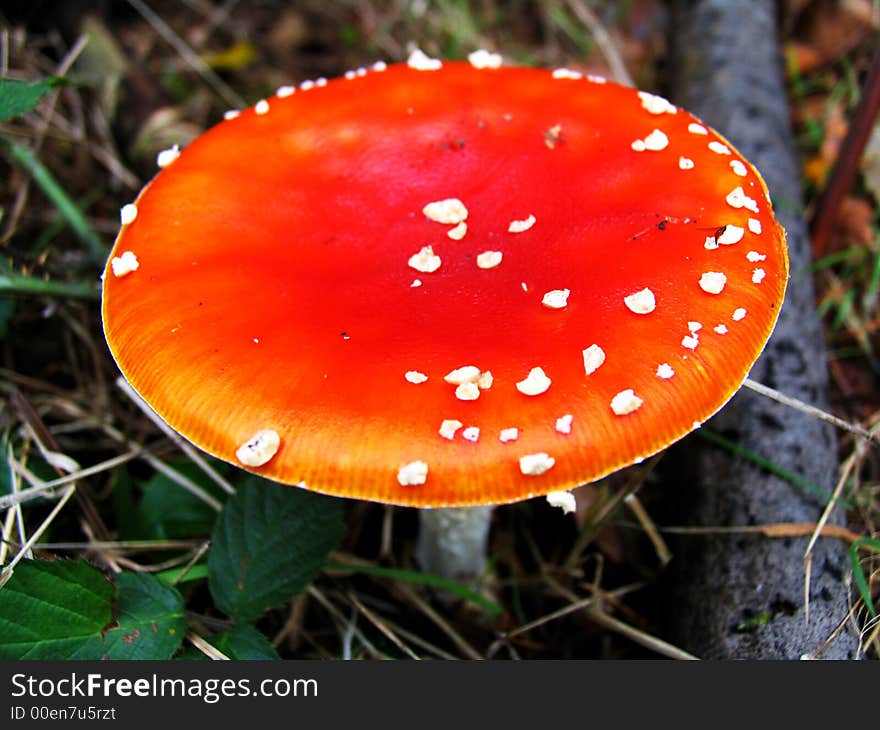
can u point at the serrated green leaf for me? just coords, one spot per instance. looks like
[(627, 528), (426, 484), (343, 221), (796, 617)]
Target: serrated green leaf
[(150, 619), (244, 642), (269, 543), (54, 610), (168, 512), (19, 97), (63, 609)]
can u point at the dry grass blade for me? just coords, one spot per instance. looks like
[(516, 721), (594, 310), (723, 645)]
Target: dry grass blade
[(382, 626), (806, 408), (187, 54), (8, 569), (203, 646), (182, 443), (640, 637)]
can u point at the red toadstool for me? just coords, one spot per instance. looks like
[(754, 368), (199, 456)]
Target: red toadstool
[(441, 284)]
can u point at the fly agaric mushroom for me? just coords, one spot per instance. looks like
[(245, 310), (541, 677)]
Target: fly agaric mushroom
[(446, 284)]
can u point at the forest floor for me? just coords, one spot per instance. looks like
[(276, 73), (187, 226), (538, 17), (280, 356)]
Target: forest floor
[(142, 76)]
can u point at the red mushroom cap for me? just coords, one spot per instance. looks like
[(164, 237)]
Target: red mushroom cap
[(434, 284)]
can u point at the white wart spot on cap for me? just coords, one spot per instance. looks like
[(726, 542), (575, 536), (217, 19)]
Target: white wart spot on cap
[(641, 302), (231, 114), (719, 148), (656, 104), (485, 381), (536, 464), (655, 141), (711, 243), (379, 66), (489, 259), (625, 402), (712, 282), (518, 226), (739, 314), (535, 383), (754, 257), (721, 329), (594, 356), (467, 391), (563, 500), (685, 163), (425, 260), (166, 157), (556, 298), (464, 374), (690, 341), (412, 474), (508, 434), (758, 276), (665, 371), (284, 91), (737, 198), (563, 423), (738, 168), (732, 234), (482, 58), (458, 232), (755, 226), (420, 61), (124, 264), (471, 433), (566, 73), (415, 377), (695, 128), (128, 213), (448, 428), (259, 448), (450, 210), (261, 107)]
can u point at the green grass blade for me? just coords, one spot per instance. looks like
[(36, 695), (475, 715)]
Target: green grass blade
[(768, 465), (16, 284), (68, 209), (428, 579), (859, 574)]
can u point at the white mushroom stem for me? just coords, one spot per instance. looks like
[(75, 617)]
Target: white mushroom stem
[(452, 542)]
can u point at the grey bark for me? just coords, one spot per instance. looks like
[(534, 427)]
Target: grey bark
[(741, 596)]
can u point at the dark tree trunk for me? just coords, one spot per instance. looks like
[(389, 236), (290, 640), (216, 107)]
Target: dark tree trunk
[(742, 596)]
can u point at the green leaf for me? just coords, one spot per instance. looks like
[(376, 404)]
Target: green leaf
[(54, 610), (150, 619), (269, 542), (19, 97), (64, 609), (244, 642), (167, 511)]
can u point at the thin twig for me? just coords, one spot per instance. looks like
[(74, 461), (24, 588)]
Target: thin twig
[(846, 167), (664, 554), (606, 45), (808, 409), (181, 443), (6, 573), (379, 624), (187, 54), (203, 646), (639, 636)]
